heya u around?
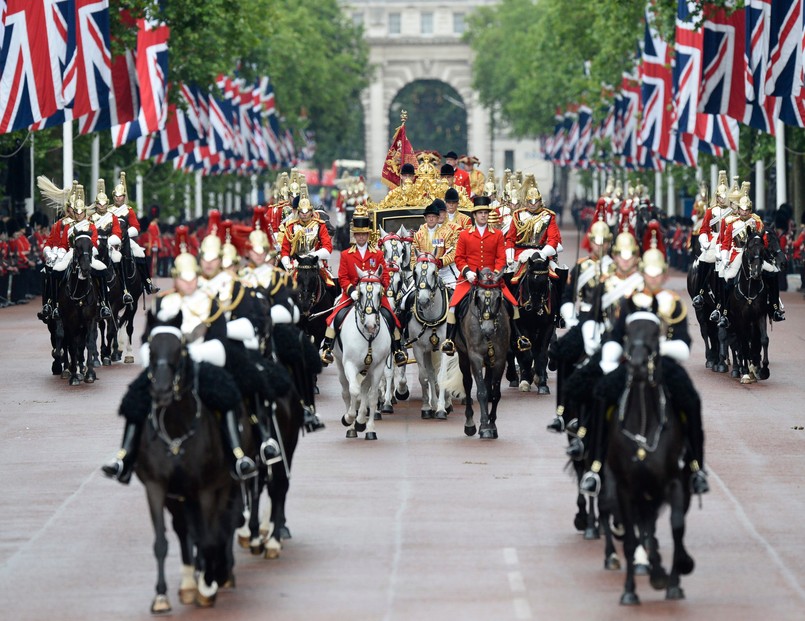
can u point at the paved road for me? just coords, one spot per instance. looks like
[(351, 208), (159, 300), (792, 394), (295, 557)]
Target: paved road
[(422, 524)]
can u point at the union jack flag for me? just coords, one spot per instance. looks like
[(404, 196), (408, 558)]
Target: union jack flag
[(786, 47), (572, 140), (630, 110), (123, 99), (656, 84), (94, 58), (31, 73), (585, 127), (558, 142), (152, 73)]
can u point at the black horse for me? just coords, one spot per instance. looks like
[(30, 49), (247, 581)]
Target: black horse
[(182, 454), (107, 329), (712, 336), (78, 302), (747, 305), (482, 343), (539, 306), (646, 444), (314, 298), (133, 285)]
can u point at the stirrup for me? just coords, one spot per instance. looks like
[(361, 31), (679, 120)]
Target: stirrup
[(590, 484), (698, 302), (523, 343), (778, 315), (715, 315), (150, 287), (128, 298), (327, 356), (56, 313), (245, 468), (723, 322), (400, 358), (116, 469), (448, 347), (270, 452), (557, 424), (45, 313), (105, 311), (311, 421), (698, 482)]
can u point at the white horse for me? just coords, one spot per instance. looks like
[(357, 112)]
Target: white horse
[(427, 328), (361, 351), (395, 384), (396, 249)]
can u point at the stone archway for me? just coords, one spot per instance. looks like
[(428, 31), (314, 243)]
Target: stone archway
[(399, 63), (437, 115)]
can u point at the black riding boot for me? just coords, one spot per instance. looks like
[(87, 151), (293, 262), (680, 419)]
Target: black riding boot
[(590, 483), (560, 284), (122, 466), (726, 290), (127, 297), (776, 313), (142, 267), (244, 466), (269, 448), (449, 344), (103, 295), (397, 350), (702, 276), (47, 297)]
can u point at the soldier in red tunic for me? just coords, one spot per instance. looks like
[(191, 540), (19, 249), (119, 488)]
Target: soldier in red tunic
[(478, 248), (367, 258)]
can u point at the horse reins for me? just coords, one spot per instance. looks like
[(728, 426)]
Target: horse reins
[(433, 324)]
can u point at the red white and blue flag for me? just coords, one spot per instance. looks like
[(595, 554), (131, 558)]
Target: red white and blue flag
[(93, 81)]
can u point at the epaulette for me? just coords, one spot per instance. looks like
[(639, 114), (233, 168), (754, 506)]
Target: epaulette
[(670, 307), (353, 249)]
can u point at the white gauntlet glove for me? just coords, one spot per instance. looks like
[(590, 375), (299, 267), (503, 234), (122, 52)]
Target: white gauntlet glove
[(566, 311), (286, 263), (610, 356), (208, 351), (676, 349), (354, 295), (471, 276)]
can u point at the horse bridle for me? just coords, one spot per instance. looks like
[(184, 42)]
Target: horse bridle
[(76, 258), (544, 300), (423, 261), (747, 272), (396, 239), (640, 438), (487, 314), (158, 418), (317, 295), (367, 309)]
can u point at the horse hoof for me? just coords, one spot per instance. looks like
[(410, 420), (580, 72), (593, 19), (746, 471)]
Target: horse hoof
[(243, 542), (440, 415), (630, 599), (764, 373), (580, 522), (747, 379), (344, 421), (128, 360), (371, 435), (65, 374), (95, 362), (513, 383), (612, 563), (591, 533), (378, 416), (74, 381), (90, 378), (187, 596), (117, 356), (720, 368), (284, 533), (487, 434), (674, 593), (55, 368), (360, 426), (106, 362), (641, 570), (659, 579), (709, 364), (387, 409), (203, 601), (470, 431), (257, 548), (525, 386), (351, 433), (735, 374), (402, 396), (161, 605), (230, 582), (449, 409), (273, 548), (426, 414)]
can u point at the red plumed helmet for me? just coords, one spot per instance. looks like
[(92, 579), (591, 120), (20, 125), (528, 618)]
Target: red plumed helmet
[(214, 222), (259, 218), (653, 238), (181, 242)]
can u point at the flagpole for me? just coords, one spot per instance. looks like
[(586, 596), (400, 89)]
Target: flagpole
[(760, 185), (198, 200), (96, 155), (733, 164), (658, 189), (713, 178), (33, 174), (671, 211), (187, 201), (67, 154), (140, 201), (779, 158)]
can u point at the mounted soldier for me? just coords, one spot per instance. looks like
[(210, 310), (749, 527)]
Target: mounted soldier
[(732, 247), (534, 230), (674, 348), (203, 327), (62, 201), (307, 235), (82, 224), (579, 297), (710, 237), (478, 248), (109, 230), (129, 222), (367, 258)]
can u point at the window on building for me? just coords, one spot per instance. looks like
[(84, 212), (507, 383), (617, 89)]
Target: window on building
[(357, 19), (426, 21), (459, 26), (508, 159), (395, 22)]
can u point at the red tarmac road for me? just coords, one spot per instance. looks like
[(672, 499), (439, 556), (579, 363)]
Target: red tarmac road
[(424, 524)]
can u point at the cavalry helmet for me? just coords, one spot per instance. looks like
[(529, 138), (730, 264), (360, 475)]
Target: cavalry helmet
[(599, 232), (653, 262), (185, 267), (625, 245)]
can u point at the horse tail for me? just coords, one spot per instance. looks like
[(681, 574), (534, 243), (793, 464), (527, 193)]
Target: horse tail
[(450, 377)]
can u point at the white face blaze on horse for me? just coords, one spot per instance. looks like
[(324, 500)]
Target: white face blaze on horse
[(370, 292), (426, 280)]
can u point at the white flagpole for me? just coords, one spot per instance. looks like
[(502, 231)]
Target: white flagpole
[(199, 208), (29, 209), (96, 165), (733, 165), (658, 189), (67, 154), (713, 178), (779, 160), (671, 211), (760, 185), (140, 199)]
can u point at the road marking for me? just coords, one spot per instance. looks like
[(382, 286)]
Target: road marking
[(747, 523), (522, 609), (399, 525)]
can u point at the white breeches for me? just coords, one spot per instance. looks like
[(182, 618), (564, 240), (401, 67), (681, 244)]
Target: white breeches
[(61, 265), (136, 249)]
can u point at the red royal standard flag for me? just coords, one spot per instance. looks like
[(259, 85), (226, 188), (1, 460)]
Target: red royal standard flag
[(400, 152)]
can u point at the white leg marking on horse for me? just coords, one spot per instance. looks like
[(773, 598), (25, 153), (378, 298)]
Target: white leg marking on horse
[(789, 575), (207, 591)]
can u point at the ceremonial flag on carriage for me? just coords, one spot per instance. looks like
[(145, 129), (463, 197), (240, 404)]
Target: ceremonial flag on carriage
[(400, 152)]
